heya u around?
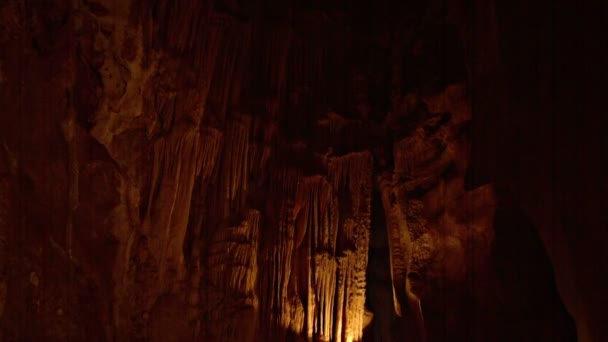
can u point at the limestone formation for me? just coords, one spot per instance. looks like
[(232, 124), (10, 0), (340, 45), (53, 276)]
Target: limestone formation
[(184, 170)]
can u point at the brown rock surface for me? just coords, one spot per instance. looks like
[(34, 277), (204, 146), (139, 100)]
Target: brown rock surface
[(258, 171)]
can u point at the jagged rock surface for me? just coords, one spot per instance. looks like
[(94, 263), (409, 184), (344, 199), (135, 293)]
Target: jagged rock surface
[(204, 170)]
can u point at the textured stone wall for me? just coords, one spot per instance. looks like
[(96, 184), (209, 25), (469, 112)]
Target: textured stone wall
[(178, 170)]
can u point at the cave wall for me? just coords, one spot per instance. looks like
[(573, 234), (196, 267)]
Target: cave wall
[(197, 170)]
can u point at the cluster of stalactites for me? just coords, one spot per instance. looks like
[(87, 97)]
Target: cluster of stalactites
[(353, 172), (336, 274)]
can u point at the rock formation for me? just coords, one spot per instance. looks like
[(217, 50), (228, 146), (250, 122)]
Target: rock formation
[(180, 170)]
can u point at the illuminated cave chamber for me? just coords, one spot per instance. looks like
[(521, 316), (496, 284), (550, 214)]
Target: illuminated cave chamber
[(253, 171)]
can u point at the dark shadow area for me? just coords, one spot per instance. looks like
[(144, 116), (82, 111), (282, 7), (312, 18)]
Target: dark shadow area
[(379, 294)]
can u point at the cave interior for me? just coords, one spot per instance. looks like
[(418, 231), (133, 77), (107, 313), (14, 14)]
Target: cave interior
[(267, 170)]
